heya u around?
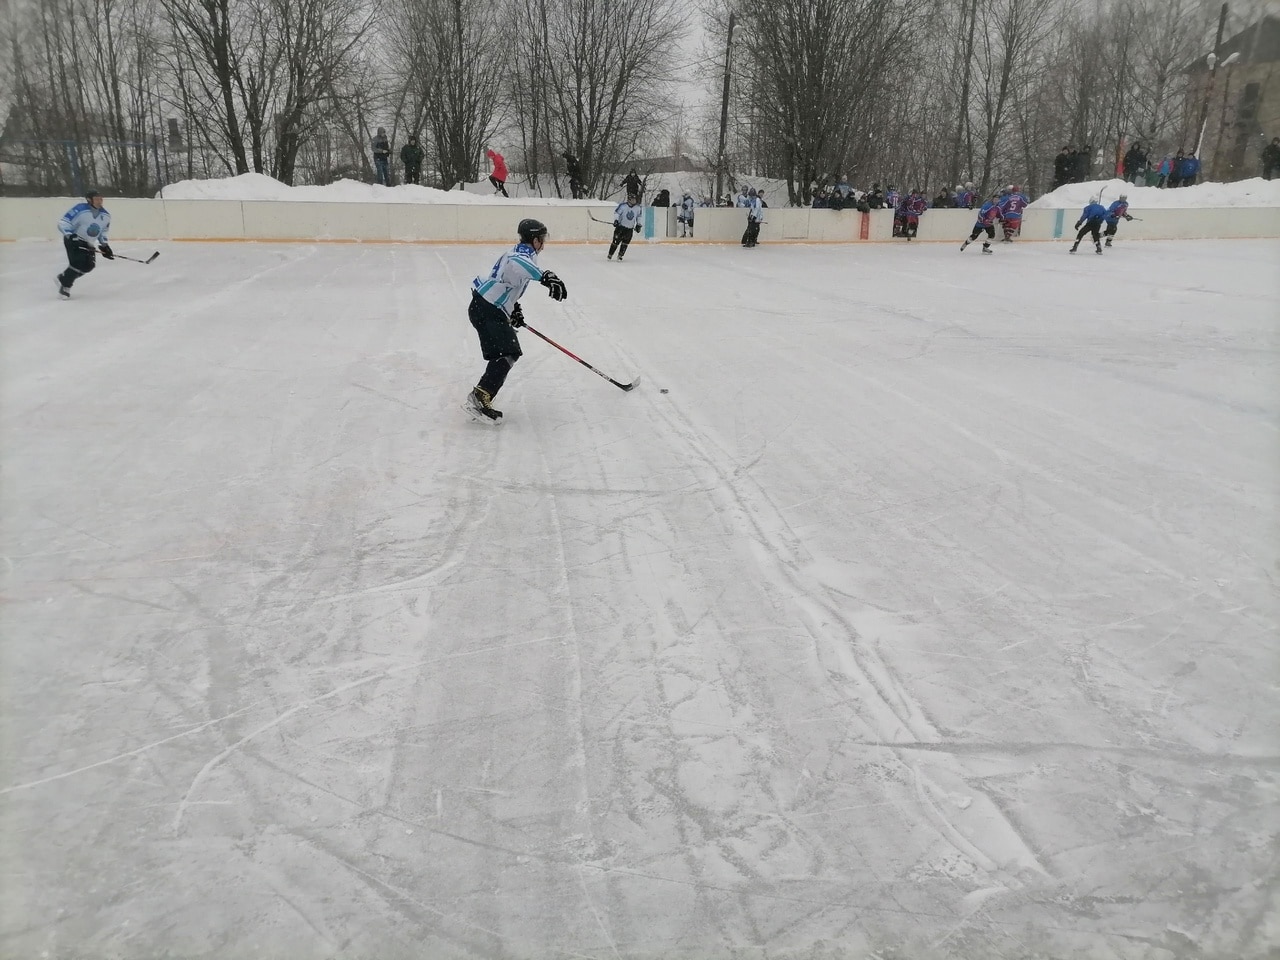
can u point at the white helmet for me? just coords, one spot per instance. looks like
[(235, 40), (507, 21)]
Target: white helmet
[(1124, 196), (959, 187)]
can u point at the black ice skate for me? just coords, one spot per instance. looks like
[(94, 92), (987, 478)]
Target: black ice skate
[(63, 290)]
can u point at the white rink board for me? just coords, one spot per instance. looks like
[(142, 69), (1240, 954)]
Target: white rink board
[(141, 219)]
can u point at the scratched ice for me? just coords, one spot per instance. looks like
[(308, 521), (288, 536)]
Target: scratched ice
[(931, 614)]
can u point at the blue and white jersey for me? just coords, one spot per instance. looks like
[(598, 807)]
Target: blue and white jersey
[(743, 200), (506, 282), (88, 224), (756, 210), (687, 206), (627, 215)]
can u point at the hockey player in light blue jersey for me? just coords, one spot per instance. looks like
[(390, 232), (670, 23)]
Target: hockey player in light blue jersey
[(83, 228), (627, 219), (496, 315)]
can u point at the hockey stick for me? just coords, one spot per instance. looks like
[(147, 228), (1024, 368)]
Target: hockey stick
[(598, 220), (121, 256), (620, 386)]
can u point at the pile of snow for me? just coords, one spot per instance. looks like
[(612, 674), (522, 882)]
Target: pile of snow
[(258, 186), (1242, 193)]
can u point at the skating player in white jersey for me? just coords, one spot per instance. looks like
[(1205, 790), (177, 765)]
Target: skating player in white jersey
[(496, 315), (83, 228), (627, 220)]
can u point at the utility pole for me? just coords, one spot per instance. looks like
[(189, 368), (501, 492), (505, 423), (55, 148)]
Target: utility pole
[(1208, 87), (724, 110)]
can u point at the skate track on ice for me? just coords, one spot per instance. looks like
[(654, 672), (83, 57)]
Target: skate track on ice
[(931, 614)]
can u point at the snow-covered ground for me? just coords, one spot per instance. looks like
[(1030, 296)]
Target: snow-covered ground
[(1240, 193), (915, 621), (256, 186)]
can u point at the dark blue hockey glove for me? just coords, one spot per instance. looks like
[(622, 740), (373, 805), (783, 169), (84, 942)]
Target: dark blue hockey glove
[(105, 250), (638, 228), (517, 317), (555, 286)]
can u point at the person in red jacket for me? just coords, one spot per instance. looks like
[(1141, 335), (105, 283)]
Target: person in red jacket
[(499, 176)]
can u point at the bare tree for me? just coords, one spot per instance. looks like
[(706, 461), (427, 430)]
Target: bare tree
[(592, 74), (453, 55), (818, 67)]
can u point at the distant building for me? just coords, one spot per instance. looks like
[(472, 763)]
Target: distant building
[(1237, 105)]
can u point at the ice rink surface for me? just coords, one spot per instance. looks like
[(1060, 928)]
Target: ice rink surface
[(932, 613)]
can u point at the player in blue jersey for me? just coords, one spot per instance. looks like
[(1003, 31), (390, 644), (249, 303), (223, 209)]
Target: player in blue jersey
[(495, 313), (1114, 212), (627, 220), (83, 228), (987, 217), (1090, 222)]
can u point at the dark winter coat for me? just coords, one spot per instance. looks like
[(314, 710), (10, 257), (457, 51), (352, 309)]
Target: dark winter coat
[(1062, 167), (411, 155), (1271, 154), (1135, 161)]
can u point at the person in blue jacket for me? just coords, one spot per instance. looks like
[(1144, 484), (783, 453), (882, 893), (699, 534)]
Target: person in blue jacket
[(83, 227), (1091, 222), (1188, 170), (1114, 212)]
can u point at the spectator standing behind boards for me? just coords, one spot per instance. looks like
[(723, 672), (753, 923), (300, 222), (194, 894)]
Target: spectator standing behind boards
[(499, 175), (1164, 171), (573, 167), (1188, 170), (1084, 164), (411, 157), (382, 157), (1175, 170), (663, 198), (743, 199), (633, 184), (1271, 159), (1062, 166), (82, 227), (1135, 163)]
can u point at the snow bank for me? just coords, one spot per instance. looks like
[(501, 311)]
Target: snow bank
[(258, 186), (1242, 193)]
